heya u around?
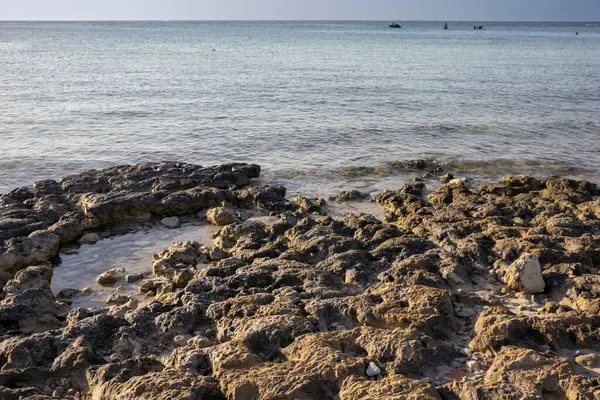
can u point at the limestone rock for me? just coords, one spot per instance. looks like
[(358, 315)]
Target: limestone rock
[(221, 216), (351, 195), (391, 388), (304, 204), (111, 276), (525, 274), (588, 360), (293, 305)]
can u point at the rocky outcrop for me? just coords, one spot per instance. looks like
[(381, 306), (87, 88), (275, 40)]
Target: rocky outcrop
[(34, 221), (472, 293)]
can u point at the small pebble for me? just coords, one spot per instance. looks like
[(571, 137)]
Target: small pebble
[(373, 370)]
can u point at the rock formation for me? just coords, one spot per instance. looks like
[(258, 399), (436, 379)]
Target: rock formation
[(484, 293)]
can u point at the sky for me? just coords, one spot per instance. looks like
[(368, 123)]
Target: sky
[(438, 10)]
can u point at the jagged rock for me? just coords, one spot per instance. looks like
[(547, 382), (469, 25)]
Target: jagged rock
[(292, 305), (221, 216), (583, 294), (303, 204), (270, 198), (516, 373), (391, 388), (588, 360), (446, 178), (38, 247), (351, 195)]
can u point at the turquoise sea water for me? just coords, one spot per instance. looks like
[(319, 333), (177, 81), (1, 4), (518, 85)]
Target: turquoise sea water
[(317, 104)]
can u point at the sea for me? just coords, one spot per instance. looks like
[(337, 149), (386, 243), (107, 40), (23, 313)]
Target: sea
[(321, 106)]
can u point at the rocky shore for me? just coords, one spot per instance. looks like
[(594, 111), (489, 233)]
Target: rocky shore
[(488, 292)]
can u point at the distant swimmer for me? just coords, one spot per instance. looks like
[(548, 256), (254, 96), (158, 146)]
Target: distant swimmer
[(249, 37), (446, 26), (576, 33)]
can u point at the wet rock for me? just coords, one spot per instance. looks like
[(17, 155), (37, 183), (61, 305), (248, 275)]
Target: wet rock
[(116, 299), (89, 238), (351, 195), (178, 257), (303, 204), (69, 294), (151, 285), (111, 276), (269, 198), (130, 278), (170, 222), (446, 178), (418, 165)]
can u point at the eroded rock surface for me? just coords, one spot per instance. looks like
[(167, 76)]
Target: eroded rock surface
[(484, 293)]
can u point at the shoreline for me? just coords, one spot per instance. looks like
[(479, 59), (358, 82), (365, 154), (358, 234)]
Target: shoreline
[(456, 291)]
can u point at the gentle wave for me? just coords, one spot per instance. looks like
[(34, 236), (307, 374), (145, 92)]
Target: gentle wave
[(333, 102)]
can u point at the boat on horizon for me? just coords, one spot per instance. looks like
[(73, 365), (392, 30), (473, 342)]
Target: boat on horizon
[(478, 27), (445, 26), (395, 25)]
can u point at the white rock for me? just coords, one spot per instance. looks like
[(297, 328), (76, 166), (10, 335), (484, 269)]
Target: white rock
[(373, 370), (524, 274), (90, 238), (171, 222), (531, 274)]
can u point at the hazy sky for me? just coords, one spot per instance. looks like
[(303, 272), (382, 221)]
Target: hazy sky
[(480, 10)]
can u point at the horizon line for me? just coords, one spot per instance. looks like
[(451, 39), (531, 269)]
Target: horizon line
[(288, 20)]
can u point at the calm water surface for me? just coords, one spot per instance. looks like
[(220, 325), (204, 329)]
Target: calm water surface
[(320, 105)]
